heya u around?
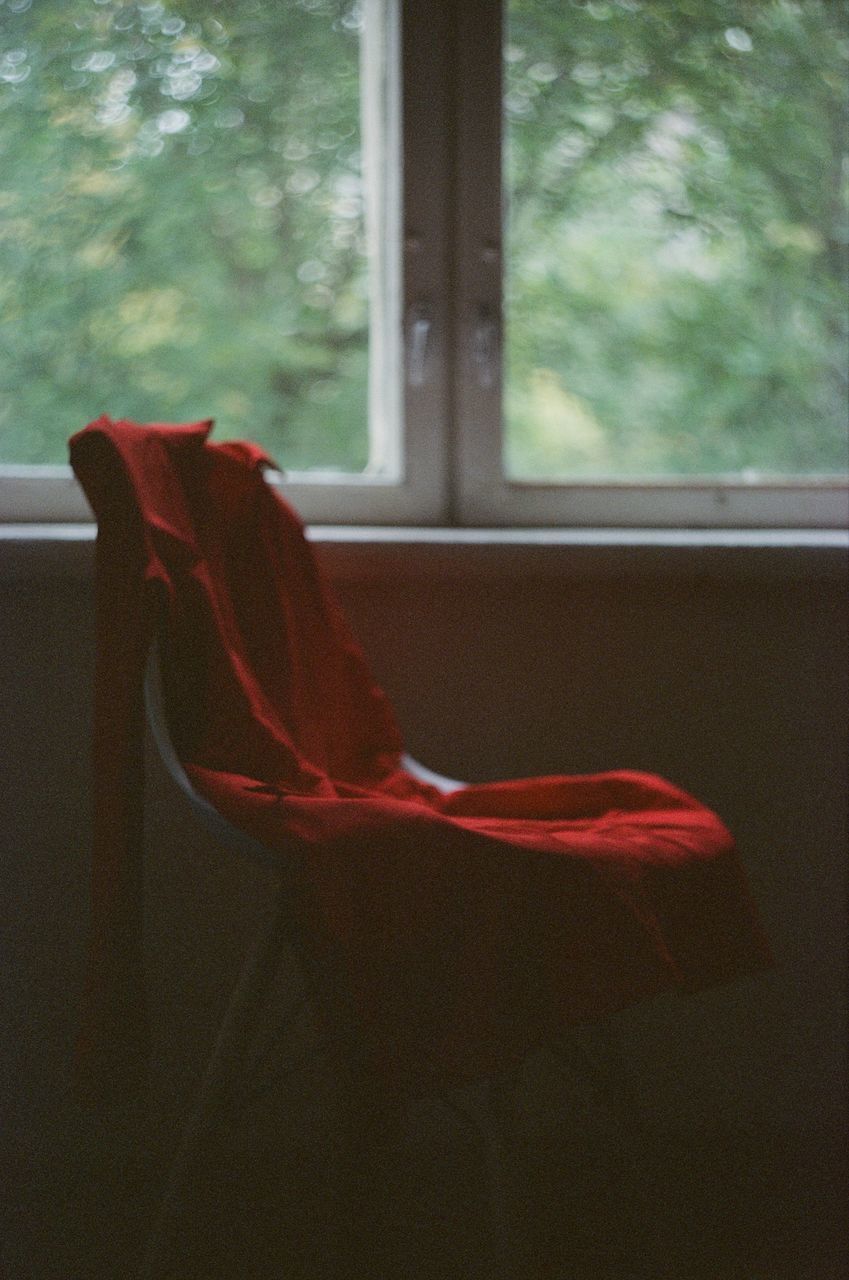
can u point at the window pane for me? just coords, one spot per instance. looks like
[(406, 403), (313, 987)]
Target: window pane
[(183, 225), (677, 238)]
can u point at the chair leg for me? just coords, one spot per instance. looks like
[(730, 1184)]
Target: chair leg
[(257, 972), (484, 1107)]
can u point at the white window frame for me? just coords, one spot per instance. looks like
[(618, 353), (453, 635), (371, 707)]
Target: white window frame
[(484, 495), (440, 300)]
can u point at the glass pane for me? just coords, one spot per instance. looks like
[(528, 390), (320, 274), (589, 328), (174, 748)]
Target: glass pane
[(183, 227), (677, 238)]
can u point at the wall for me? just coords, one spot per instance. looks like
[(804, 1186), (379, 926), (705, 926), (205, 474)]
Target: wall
[(733, 686)]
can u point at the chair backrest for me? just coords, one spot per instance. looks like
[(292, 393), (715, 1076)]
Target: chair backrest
[(218, 826), (263, 676)]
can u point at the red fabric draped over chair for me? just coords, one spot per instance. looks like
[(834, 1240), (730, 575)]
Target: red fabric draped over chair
[(467, 927)]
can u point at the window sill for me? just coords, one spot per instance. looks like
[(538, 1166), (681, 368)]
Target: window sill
[(360, 553)]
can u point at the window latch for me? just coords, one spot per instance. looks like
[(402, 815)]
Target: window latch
[(419, 326), (485, 342)]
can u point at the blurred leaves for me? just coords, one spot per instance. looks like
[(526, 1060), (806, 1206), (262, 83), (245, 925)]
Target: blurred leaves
[(182, 229), (181, 222), (677, 237)]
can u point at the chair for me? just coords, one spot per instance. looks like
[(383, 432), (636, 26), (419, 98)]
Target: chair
[(463, 925), (480, 1110)]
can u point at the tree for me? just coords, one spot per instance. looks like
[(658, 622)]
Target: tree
[(183, 222), (677, 236), (182, 229)]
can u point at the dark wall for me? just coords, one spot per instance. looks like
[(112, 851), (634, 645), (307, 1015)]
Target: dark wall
[(735, 689)]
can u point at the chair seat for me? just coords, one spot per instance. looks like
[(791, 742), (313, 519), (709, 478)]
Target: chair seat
[(470, 932)]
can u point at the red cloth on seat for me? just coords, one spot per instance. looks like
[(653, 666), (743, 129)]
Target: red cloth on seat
[(468, 927)]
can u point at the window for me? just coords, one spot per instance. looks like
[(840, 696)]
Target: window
[(200, 208), (562, 263)]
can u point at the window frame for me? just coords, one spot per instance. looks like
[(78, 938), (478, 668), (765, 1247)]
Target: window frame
[(442, 66), (484, 494)]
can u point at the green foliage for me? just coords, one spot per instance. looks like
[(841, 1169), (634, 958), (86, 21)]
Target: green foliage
[(677, 248), (182, 229), (182, 223)]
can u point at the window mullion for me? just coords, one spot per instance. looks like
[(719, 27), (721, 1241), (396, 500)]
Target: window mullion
[(478, 240), (426, 312)]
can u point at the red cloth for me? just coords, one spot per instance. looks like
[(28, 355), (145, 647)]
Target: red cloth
[(468, 927)]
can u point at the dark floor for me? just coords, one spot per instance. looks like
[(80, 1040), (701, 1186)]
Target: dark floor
[(590, 1196)]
